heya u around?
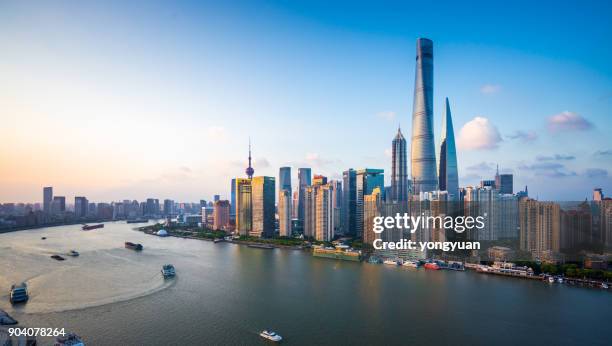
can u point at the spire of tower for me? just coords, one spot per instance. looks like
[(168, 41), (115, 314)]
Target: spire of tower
[(250, 171)]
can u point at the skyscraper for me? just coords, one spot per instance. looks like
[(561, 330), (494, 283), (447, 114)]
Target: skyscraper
[(284, 213), (371, 209), (399, 168), (221, 215), (504, 183), (80, 206), (244, 209), (263, 198), (448, 176), (366, 181), (47, 198), (168, 207), (233, 200), (422, 149), (284, 179), (349, 200), (304, 180)]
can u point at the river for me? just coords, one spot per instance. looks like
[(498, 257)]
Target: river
[(226, 293)]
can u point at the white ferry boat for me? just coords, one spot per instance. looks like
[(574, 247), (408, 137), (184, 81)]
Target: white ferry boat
[(411, 264), (270, 335), (168, 271), (393, 262)]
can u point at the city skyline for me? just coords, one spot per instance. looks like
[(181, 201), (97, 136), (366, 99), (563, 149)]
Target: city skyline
[(86, 132)]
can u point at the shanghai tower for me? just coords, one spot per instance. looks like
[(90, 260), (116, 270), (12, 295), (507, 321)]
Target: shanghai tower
[(447, 169), (422, 149)]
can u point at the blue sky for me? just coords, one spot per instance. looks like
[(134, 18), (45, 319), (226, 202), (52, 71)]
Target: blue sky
[(113, 100)]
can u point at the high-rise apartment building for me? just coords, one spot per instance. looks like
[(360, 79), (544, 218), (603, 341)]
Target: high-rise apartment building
[(422, 149), (540, 227), (448, 175), (310, 211), (263, 204)]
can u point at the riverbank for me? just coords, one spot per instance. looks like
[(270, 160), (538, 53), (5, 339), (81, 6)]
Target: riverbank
[(58, 224), (150, 230)]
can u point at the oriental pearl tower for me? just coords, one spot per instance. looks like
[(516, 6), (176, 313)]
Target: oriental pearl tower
[(250, 171)]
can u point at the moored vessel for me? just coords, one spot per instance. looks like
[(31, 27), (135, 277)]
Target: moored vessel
[(431, 266)]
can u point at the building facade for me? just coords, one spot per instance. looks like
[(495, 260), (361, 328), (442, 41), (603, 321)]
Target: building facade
[(399, 168), (263, 204)]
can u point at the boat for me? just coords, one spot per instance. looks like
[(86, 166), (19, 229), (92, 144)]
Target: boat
[(551, 279), (393, 262), (455, 266), (43, 238), (69, 339), (138, 221), (218, 240), (604, 285), (559, 279), (374, 260), (411, 264), (261, 246), (19, 293), (73, 253), (58, 257), (270, 335), (90, 227), (133, 246), (432, 266), (168, 271)]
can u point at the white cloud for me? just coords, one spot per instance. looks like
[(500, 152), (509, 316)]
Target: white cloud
[(489, 89), (478, 134), (568, 121)]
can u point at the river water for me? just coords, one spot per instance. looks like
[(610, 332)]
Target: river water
[(226, 293)]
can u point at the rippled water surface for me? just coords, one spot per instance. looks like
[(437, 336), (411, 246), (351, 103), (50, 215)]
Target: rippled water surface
[(226, 293)]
